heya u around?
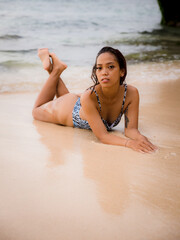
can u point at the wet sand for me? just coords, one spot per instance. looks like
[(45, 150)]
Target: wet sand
[(61, 183)]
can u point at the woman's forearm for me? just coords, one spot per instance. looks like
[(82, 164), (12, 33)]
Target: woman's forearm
[(113, 140), (132, 133), (137, 142)]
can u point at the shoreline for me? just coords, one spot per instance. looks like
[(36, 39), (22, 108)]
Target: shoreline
[(78, 78)]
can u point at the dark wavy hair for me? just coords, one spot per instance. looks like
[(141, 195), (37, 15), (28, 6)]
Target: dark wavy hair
[(120, 59)]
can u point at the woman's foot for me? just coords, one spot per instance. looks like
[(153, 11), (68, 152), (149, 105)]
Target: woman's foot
[(43, 54), (58, 65)]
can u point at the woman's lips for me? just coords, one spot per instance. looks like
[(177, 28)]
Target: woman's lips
[(105, 80)]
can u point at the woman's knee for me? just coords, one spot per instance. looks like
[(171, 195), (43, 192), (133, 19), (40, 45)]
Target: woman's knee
[(41, 114), (36, 113)]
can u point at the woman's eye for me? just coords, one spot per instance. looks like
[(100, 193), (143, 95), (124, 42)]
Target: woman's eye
[(98, 68), (111, 67)]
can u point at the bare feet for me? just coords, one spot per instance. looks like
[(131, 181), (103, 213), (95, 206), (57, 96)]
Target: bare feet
[(58, 65), (43, 54)]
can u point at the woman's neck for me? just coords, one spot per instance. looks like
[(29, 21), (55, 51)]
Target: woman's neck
[(109, 93)]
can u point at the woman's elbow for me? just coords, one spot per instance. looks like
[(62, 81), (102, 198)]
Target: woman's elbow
[(103, 138)]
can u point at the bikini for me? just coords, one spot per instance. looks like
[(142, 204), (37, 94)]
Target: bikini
[(80, 123)]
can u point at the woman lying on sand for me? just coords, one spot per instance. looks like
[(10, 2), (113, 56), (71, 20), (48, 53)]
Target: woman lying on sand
[(100, 107)]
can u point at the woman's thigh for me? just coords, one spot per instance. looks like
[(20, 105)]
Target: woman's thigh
[(64, 107), (58, 110)]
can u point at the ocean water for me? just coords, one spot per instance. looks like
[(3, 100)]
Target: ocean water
[(76, 30)]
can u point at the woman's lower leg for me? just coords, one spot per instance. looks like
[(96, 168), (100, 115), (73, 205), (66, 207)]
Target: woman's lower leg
[(61, 88), (49, 89), (44, 56)]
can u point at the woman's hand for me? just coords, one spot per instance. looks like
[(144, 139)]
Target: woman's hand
[(142, 144)]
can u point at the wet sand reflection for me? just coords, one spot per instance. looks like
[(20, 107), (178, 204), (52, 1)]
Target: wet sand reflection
[(109, 169), (59, 140)]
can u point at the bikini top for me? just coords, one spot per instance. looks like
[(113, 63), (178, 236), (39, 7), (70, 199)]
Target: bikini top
[(80, 123), (115, 123)]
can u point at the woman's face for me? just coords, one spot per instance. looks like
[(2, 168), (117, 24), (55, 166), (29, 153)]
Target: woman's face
[(108, 71)]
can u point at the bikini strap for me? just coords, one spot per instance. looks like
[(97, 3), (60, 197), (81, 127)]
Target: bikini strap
[(97, 99), (124, 98)]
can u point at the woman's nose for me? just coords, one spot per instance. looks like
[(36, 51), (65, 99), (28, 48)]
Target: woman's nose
[(105, 71)]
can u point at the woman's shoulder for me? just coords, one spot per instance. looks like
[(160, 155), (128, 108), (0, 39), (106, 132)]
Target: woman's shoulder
[(132, 90), (86, 94), (132, 93), (87, 97)]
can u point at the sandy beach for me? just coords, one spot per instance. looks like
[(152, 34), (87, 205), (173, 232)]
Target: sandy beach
[(60, 183)]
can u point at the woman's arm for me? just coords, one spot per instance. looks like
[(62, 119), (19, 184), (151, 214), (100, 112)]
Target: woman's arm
[(131, 124), (132, 113), (93, 117)]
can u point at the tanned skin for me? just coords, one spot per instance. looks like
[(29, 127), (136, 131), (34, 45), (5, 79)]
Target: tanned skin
[(55, 103)]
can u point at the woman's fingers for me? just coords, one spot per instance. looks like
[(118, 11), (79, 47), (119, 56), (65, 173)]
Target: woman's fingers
[(143, 146), (146, 141), (147, 147), (150, 145)]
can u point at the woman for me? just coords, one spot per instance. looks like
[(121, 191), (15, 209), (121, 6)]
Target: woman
[(100, 107)]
